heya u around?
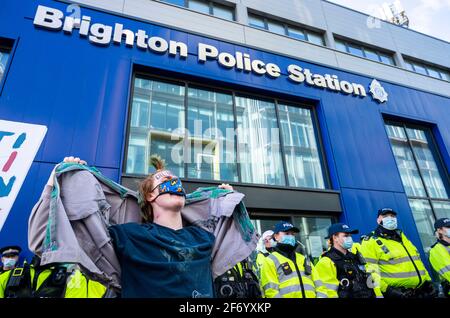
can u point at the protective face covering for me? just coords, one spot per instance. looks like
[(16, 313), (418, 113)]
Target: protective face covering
[(172, 186), (447, 233), (9, 262), (273, 243), (390, 223), (288, 240), (347, 243)]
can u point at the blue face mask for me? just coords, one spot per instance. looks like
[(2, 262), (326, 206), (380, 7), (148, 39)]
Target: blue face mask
[(9, 262), (390, 223), (172, 186), (289, 240), (348, 243), (447, 233), (273, 243)]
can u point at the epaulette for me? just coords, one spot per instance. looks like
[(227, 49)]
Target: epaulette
[(369, 236)]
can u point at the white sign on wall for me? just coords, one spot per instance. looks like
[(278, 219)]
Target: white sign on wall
[(19, 143)]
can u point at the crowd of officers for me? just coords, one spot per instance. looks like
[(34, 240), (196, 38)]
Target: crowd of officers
[(384, 265)]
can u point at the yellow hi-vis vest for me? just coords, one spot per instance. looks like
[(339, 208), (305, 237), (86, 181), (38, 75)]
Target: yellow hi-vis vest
[(440, 261), (78, 285), (327, 271), (280, 279), (392, 263)]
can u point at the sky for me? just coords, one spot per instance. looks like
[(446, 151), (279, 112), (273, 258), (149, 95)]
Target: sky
[(431, 17)]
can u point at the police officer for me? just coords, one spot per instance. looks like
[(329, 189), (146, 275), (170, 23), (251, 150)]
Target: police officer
[(440, 253), (238, 282), (343, 272), (49, 281), (395, 261), (10, 257), (268, 244), (286, 273)]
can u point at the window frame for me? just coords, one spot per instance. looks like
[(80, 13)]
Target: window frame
[(8, 45), (211, 4), (436, 155), (363, 48), (444, 74), (286, 26), (186, 83)]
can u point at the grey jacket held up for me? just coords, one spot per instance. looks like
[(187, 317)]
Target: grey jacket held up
[(69, 222)]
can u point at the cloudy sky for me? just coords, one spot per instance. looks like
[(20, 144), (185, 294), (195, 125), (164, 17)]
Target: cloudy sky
[(427, 16)]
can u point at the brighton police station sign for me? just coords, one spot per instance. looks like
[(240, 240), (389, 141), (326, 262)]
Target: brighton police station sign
[(101, 34)]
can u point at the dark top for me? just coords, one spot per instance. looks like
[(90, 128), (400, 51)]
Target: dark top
[(388, 234), (159, 262)]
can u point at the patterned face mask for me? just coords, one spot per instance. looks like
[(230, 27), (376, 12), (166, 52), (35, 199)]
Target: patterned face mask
[(172, 186)]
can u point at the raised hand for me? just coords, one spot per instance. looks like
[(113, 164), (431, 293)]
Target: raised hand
[(226, 186), (75, 160)]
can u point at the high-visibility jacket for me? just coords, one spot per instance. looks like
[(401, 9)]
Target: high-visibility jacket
[(282, 278), (77, 284), (260, 259), (257, 265), (440, 261), (393, 263), (327, 271)]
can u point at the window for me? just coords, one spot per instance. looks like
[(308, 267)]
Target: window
[(4, 56), (282, 28), (371, 54), (256, 22), (315, 38), (223, 12), (363, 51), (276, 27), (157, 111), (434, 73), (313, 231), (386, 59), (230, 136), (420, 69), (297, 33), (409, 66), (199, 5), (259, 143), (340, 45), (300, 147), (177, 2), (428, 70), (355, 50), (210, 114), (208, 7), (422, 174)]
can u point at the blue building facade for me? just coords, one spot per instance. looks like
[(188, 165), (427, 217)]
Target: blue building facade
[(84, 93)]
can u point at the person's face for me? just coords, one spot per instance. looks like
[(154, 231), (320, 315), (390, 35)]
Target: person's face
[(381, 217), (6, 257), (166, 201), (267, 242), (279, 236), (443, 232), (339, 238)]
